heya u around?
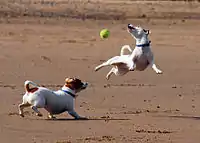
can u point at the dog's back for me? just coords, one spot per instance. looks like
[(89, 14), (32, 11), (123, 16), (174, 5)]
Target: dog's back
[(53, 101)]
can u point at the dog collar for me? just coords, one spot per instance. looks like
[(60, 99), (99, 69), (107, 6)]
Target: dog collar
[(73, 95), (144, 45)]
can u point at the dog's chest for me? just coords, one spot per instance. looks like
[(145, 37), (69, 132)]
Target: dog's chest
[(141, 58), (142, 51)]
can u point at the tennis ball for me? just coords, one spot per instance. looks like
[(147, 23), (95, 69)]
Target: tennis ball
[(104, 33)]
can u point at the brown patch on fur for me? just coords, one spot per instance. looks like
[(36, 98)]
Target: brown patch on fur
[(31, 90), (73, 83)]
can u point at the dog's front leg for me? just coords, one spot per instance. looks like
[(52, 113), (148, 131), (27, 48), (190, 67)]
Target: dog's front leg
[(154, 67), (76, 116), (21, 108), (110, 73), (109, 62), (36, 110), (101, 66)]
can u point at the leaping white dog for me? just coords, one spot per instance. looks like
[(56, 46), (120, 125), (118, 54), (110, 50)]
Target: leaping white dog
[(55, 102), (138, 59)]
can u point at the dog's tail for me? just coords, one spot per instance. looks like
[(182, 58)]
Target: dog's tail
[(30, 86), (125, 47)]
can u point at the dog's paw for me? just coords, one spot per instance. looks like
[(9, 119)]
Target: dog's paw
[(39, 114), (20, 114), (107, 77), (159, 72), (51, 117), (96, 69), (131, 68)]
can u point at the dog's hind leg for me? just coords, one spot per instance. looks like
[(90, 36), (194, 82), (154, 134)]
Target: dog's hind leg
[(21, 108), (40, 103), (110, 73), (99, 67), (107, 63)]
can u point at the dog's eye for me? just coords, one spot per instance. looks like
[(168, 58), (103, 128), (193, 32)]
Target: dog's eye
[(77, 83)]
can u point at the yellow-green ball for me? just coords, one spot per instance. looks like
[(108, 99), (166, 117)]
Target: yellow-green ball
[(104, 33)]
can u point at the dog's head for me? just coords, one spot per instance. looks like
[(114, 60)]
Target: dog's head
[(75, 84), (137, 32)]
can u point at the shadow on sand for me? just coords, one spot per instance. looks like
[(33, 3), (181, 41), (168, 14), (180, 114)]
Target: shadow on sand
[(89, 119), (180, 116)]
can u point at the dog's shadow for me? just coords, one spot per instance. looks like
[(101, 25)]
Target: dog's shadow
[(89, 119), (180, 117)]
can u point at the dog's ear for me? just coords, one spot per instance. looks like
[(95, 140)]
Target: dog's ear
[(73, 83), (68, 80), (147, 32)]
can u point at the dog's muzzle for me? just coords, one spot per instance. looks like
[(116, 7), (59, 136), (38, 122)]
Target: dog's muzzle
[(84, 86), (130, 27)]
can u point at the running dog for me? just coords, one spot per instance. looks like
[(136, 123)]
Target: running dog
[(138, 59), (55, 102)]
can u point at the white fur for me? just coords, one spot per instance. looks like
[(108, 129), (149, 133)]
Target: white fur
[(55, 102), (138, 59)]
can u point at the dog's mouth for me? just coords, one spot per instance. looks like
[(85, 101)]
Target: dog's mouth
[(131, 27), (84, 85)]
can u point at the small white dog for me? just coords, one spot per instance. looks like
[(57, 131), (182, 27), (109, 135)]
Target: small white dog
[(138, 59), (55, 102)]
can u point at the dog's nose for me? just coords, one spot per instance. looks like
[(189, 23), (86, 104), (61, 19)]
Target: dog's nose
[(130, 26), (85, 84)]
